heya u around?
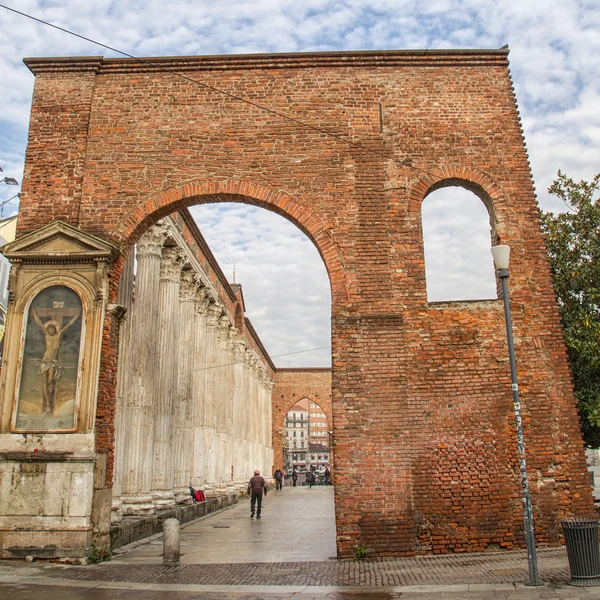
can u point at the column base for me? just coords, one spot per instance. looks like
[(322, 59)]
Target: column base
[(182, 495), (135, 505), (116, 511), (163, 499)]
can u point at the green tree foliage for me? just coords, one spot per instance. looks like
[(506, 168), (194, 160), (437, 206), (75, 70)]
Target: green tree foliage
[(573, 240)]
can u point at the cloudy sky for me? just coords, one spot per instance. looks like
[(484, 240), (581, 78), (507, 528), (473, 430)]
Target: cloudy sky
[(554, 46)]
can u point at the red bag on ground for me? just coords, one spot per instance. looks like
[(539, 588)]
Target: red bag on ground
[(199, 496)]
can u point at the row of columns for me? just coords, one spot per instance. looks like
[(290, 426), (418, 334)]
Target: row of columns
[(193, 398)]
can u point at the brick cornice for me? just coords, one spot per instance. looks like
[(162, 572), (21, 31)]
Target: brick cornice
[(73, 64), (364, 58)]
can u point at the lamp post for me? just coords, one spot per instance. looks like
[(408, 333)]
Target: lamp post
[(501, 256), (7, 181)]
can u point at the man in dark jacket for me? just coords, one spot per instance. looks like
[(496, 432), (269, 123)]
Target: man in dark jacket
[(278, 475), (256, 486)]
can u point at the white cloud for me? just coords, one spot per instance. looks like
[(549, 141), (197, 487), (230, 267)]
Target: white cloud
[(457, 241), (554, 61), (284, 280)]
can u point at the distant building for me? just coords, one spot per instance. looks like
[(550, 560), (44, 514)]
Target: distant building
[(8, 228), (319, 427), (318, 456), (8, 231), (306, 428), (297, 431)]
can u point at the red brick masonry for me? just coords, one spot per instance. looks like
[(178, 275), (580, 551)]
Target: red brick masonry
[(425, 449)]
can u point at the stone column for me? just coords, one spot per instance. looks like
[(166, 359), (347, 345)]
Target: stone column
[(252, 412), (183, 447), (201, 303), (211, 386), (239, 412), (162, 475), (138, 418), (268, 416), (124, 299), (224, 401)]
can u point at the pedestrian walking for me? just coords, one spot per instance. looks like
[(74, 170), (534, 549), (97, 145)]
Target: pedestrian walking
[(256, 487), (310, 478), (278, 475), (294, 477)]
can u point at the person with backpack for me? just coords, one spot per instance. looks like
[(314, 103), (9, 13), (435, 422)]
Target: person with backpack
[(294, 476), (278, 475), (256, 486), (197, 495), (310, 478)]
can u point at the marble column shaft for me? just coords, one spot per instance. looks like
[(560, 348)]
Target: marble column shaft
[(183, 447), (211, 389), (124, 298), (201, 303), (138, 418), (168, 341)]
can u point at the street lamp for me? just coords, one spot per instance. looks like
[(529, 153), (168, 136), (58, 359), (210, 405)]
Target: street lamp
[(501, 256), (8, 181)]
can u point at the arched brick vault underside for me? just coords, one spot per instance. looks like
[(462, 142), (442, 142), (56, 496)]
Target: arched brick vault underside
[(137, 220), (291, 385)]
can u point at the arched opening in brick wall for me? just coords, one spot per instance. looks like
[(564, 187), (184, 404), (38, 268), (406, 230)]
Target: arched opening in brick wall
[(291, 386), (286, 290), (209, 287), (457, 235), (307, 438)]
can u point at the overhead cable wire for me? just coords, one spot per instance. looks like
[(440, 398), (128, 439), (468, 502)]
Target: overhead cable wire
[(403, 163), (239, 362)]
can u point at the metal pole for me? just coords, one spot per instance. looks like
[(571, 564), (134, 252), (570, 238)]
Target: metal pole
[(526, 496)]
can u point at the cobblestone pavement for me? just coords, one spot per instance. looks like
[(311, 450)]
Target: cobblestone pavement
[(229, 556)]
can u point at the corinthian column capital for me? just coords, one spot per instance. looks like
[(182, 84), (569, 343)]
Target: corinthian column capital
[(171, 263), (189, 286), (151, 243), (201, 301), (239, 350), (214, 312), (249, 357), (224, 326)]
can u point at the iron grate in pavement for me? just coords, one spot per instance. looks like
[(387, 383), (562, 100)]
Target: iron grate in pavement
[(501, 567)]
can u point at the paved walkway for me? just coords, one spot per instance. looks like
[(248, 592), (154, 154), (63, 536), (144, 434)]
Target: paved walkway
[(289, 553)]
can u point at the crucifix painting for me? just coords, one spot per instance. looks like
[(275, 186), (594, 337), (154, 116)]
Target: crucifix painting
[(48, 388)]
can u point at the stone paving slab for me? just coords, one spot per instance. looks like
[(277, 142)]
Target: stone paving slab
[(120, 591), (298, 524), (497, 567)]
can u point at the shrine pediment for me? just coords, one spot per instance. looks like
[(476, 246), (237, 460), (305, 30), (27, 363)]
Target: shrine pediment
[(59, 241)]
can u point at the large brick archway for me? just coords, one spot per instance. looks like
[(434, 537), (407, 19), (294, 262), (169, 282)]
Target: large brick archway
[(421, 400), (291, 386), (138, 219)]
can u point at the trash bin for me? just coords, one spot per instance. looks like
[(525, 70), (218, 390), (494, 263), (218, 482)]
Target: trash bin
[(581, 536)]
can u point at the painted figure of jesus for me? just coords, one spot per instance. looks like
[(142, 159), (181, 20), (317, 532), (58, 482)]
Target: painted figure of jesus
[(50, 369)]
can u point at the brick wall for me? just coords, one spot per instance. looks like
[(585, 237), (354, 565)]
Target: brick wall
[(422, 408)]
